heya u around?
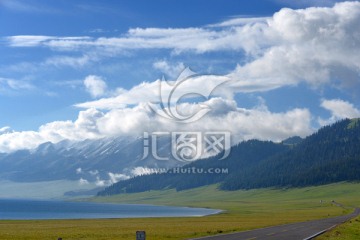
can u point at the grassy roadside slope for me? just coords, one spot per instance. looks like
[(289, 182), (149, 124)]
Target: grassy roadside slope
[(243, 210), (347, 231)]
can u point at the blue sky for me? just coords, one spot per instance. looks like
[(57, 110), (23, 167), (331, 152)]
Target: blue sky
[(51, 98), (60, 59)]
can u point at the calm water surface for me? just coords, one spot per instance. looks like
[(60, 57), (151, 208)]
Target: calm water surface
[(33, 209)]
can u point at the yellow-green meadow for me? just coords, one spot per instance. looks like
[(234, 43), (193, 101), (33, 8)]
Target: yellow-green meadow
[(243, 210)]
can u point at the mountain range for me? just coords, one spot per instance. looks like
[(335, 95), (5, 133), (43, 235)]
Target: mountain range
[(102, 160), (332, 154)]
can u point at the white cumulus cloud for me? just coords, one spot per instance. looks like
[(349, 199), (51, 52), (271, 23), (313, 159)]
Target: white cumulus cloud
[(339, 109), (244, 124), (11, 85), (314, 45), (84, 127), (139, 171), (187, 86), (172, 70), (79, 171), (83, 181), (95, 85), (5, 130), (116, 177), (318, 46)]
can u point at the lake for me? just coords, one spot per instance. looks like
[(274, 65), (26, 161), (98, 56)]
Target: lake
[(15, 209)]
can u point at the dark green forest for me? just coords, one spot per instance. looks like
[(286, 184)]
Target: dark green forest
[(332, 154)]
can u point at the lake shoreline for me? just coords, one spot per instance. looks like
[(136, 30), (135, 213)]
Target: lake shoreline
[(25, 209)]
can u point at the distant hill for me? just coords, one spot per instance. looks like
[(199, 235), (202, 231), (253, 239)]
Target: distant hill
[(293, 140), (331, 154), (91, 160), (242, 156)]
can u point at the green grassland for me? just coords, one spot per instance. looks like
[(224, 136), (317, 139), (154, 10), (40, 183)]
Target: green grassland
[(347, 231), (243, 210)]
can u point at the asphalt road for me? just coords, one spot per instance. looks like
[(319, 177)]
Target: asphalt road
[(294, 231)]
